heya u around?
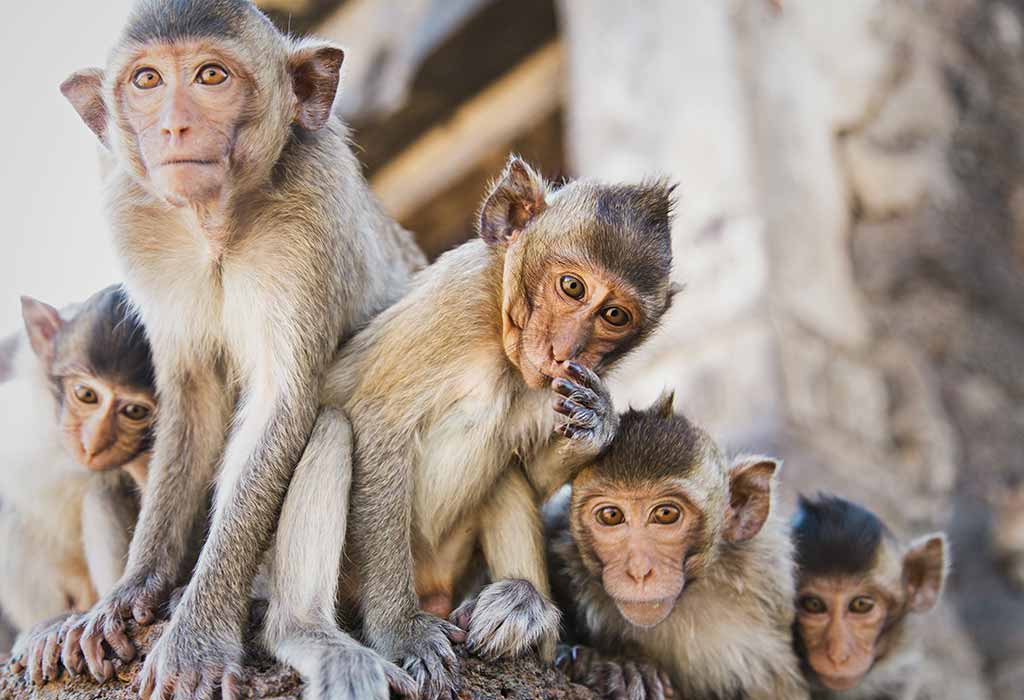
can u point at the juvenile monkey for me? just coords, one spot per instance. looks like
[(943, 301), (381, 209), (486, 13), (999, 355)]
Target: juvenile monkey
[(74, 453), (860, 593), (449, 393), (667, 551), (252, 248)]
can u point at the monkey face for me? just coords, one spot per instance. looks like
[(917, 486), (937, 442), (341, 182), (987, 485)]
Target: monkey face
[(579, 313), (839, 621), (104, 425), (184, 104), (641, 539)]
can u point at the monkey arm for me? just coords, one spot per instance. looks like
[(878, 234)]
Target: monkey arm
[(381, 542), (193, 412), (108, 515), (514, 614)]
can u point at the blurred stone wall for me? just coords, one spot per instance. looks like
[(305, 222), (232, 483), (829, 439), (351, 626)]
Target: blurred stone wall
[(851, 237)]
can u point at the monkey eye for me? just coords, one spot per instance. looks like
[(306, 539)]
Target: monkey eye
[(85, 394), (572, 286), (135, 411), (615, 315), (610, 516), (146, 79), (666, 514), (862, 605), (211, 74), (812, 604)]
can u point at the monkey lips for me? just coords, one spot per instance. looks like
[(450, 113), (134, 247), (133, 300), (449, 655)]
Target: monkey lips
[(645, 613)]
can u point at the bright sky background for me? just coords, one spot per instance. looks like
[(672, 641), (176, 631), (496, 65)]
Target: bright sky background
[(54, 242)]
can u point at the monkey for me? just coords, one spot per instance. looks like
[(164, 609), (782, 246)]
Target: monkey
[(860, 594), (73, 459), (252, 249), (675, 571), (466, 399)]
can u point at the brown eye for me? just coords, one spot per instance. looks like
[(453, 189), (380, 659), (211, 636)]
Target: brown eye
[(862, 605), (572, 286), (211, 74), (85, 394), (146, 79), (812, 604), (666, 514), (610, 516), (615, 315), (135, 411)]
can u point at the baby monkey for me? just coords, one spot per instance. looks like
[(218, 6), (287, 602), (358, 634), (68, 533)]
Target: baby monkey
[(667, 551), (75, 453), (859, 593)]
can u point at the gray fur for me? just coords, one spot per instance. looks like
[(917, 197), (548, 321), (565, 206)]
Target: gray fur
[(243, 319)]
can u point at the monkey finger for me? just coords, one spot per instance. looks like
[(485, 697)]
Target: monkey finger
[(229, 684), (577, 393), (399, 682), (463, 614), (142, 612), (51, 657), (71, 650), (117, 638), (17, 664), (455, 634), (666, 683), (35, 664), (584, 375)]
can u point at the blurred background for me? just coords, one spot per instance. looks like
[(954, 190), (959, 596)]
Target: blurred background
[(850, 228)]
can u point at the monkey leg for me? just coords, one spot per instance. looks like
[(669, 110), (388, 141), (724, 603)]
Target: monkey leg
[(513, 614), (301, 627)]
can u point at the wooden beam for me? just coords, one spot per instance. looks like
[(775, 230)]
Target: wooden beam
[(516, 102)]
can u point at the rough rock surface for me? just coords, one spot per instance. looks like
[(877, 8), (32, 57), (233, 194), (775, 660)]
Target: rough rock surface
[(524, 679)]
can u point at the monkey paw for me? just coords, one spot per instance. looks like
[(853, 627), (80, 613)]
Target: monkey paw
[(623, 679), (359, 674), (191, 661), (590, 419), (86, 637), (37, 652), (508, 618), (428, 657)]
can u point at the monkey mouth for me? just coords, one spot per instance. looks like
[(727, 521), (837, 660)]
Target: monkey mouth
[(188, 161), (645, 613), (839, 682)]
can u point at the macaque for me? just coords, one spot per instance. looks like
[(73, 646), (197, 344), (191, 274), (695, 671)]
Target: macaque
[(676, 573), (859, 594), (252, 249), (81, 405), (450, 393)]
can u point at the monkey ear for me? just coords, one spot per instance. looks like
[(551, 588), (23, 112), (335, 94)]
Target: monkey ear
[(750, 497), (514, 201), (924, 571), (42, 322), (663, 405), (315, 69), (84, 90)]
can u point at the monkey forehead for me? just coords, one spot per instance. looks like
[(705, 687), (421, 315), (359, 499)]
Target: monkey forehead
[(106, 339), (176, 20), (836, 537), (626, 228)]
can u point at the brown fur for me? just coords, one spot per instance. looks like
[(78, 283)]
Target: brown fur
[(728, 634)]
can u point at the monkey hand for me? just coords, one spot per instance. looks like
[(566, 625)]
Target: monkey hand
[(590, 419), (37, 652), (191, 659), (358, 673), (87, 636), (508, 618), (621, 679), (426, 654)]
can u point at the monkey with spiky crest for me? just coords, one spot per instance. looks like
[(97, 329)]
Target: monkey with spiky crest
[(675, 570), (450, 395), (71, 464), (252, 248), (861, 594)]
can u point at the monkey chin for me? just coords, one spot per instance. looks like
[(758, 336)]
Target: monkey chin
[(189, 182), (646, 614), (839, 682)]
